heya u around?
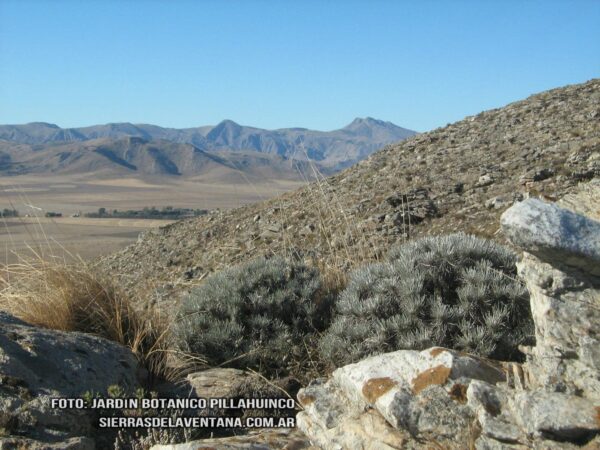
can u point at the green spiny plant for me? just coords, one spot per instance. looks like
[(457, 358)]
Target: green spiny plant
[(257, 315), (456, 291)]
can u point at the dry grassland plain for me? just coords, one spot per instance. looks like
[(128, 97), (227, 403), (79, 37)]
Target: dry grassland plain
[(68, 237)]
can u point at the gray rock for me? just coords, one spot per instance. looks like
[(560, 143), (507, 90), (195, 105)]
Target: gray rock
[(332, 422), (280, 439), (60, 363), (78, 443), (565, 309), (38, 364), (559, 416), (484, 180), (554, 234), (215, 383)]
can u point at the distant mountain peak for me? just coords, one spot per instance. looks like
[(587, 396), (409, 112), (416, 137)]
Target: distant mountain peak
[(228, 122), (224, 132), (44, 124), (368, 122)]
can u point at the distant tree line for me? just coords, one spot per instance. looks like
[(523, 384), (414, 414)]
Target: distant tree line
[(9, 213), (167, 212)]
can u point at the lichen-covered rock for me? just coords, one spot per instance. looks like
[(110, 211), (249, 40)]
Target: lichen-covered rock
[(419, 394), (38, 364)]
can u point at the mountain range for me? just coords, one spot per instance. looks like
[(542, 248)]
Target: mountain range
[(149, 149)]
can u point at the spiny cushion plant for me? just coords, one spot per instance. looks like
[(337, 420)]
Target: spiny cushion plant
[(256, 315), (456, 291)]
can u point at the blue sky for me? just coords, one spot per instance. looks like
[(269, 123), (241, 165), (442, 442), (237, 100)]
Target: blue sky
[(274, 64)]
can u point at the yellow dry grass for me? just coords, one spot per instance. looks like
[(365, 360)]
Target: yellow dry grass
[(74, 297)]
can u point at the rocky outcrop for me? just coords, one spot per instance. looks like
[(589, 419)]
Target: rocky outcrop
[(561, 267), (409, 399), (37, 365), (395, 400)]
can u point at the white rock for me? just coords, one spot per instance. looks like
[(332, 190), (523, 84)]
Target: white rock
[(388, 382), (554, 234)]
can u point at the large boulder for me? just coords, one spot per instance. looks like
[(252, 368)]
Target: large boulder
[(39, 364)]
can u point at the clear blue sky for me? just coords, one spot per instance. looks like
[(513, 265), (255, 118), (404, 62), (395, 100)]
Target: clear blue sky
[(274, 64)]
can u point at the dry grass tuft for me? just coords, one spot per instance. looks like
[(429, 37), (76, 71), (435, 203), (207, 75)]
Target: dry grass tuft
[(74, 297)]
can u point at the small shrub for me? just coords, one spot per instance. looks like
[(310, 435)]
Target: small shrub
[(456, 291), (257, 315)]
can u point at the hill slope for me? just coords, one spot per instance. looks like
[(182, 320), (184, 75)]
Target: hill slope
[(137, 156), (457, 178), (333, 150)]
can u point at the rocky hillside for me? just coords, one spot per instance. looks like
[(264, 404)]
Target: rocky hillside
[(332, 150), (460, 177)]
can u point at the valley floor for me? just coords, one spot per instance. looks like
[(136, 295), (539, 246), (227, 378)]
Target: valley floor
[(88, 238)]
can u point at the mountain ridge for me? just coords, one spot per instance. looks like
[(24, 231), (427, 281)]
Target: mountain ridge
[(135, 155), (334, 149)]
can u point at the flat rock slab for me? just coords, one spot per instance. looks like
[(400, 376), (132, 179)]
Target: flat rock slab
[(38, 364), (562, 416), (59, 363), (554, 234)]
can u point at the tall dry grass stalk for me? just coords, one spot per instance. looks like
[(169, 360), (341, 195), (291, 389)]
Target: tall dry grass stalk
[(347, 247)]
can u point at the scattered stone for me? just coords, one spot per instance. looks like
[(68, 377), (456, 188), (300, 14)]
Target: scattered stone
[(497, 202), (215, 383), (484, 180)]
